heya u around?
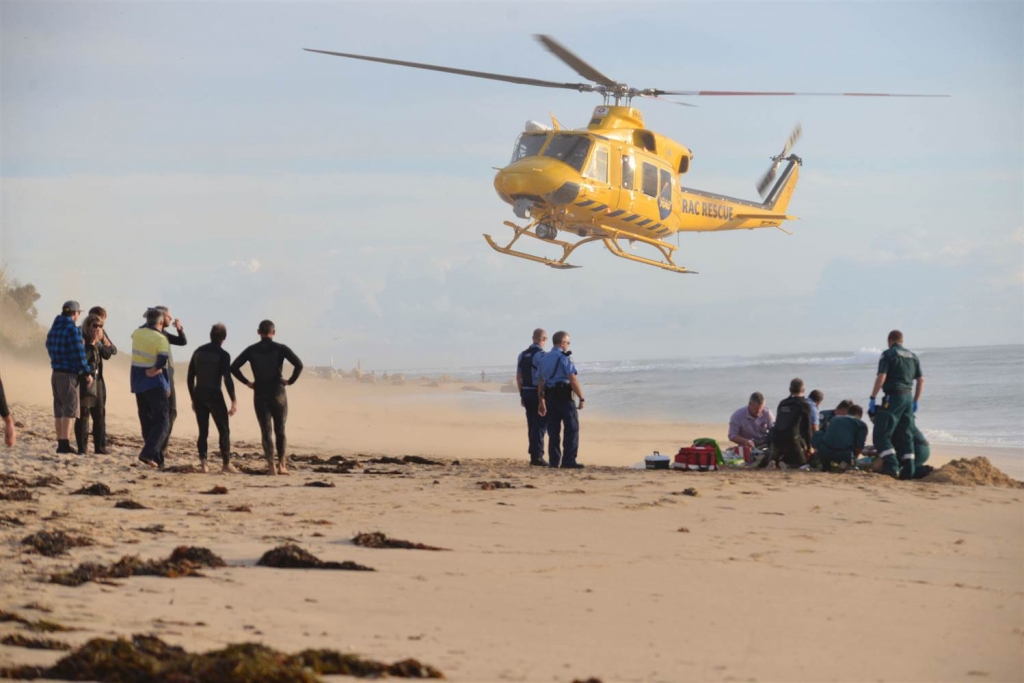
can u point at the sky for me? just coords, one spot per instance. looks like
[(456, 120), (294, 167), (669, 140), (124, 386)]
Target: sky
[(193, 155)]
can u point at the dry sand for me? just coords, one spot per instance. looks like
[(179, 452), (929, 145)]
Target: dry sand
[(567, 575)]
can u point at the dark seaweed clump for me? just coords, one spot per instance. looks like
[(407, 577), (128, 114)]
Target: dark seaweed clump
[(11, 481), (145, 659), (18, 640), (152, 529), (492, 485), (404, 460), (93, 490), (216, 491), (16, 496), (184, 561), (130, 505), (181, 469), (41, 626), (293, 557), (320, 484), (376, 539), (7, 520), (54, 543)]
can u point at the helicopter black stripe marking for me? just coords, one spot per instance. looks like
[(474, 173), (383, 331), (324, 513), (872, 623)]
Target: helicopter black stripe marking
[(599, 207), (631, 217), (644, 222), (585, 202), (617, 212)]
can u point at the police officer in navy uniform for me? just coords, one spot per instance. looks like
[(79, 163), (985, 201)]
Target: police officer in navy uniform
[(556, 384), (526, 381), (899, 376)]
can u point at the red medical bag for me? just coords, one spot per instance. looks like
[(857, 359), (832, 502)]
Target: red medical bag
[(698, 458)]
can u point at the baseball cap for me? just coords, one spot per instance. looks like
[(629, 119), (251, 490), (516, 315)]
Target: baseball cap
[(70, 306)]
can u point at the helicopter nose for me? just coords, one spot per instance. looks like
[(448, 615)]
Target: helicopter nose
[(537, 178)]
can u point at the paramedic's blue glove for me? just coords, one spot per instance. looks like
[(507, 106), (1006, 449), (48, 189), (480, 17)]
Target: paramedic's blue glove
[(871, 407), (915, 407)]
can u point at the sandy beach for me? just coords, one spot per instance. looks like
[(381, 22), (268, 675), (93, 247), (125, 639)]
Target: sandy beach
[(607, 573)]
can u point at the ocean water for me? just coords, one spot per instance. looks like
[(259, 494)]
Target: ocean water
[(972, 397)]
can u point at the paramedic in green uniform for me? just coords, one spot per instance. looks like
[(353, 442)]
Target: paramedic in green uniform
[(842, 441), (922, 450), (899, 376)]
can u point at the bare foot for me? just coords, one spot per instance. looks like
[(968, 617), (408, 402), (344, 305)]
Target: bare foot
[(281, 469), (150, 463), (229, 469), (203, 467), (271, 469)]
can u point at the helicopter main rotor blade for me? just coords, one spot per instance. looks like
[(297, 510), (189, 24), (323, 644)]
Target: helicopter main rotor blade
[(581, 87), (578, 65), (756, 93), (665, 99)]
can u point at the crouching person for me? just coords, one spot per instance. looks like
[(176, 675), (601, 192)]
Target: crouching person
[(843, 440)]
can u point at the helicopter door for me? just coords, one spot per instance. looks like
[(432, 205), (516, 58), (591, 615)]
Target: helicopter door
[(627, 183), (645, 202)]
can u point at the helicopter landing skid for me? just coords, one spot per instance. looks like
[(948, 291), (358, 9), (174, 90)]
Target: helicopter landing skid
[(611, 241), (567, 247)]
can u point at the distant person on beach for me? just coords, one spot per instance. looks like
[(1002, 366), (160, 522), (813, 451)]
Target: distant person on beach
[(266, 358), (174, 340), (749, 426), (526, 382), (10, 433), (815, 398), (68, 362), (899, 376), (825, 416), (151, 385), (99, 414), (842, 441), (89, 398), (791, 438), (210, 365), (556, 384)]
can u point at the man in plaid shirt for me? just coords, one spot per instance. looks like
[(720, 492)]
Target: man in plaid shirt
[(68, 362)]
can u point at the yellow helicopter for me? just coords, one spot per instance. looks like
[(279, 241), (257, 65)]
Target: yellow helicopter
[(616, 180)]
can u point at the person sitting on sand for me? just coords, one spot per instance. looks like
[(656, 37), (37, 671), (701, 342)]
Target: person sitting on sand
[(842, 441), (151, 385), (749, 426), (210, 365), (815, 398), (10, 434), (791, 437), (267, 358), (826, 415)]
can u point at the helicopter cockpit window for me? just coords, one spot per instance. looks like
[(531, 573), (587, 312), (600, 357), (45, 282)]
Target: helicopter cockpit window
[(650, 180), (572, 149), (528, 145), (597, 169)]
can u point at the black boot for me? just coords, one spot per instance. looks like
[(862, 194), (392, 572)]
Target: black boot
[(64, 446)]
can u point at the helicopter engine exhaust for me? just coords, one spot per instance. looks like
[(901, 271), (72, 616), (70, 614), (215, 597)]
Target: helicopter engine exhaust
[(546, 231)]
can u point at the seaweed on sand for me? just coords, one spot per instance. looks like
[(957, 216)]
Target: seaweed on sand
[(130, 505), (291, 556), (184, 561), (41, 625), (216, 491), (320, 484), (16, 496), (18, 640), (54, 543), (492, 485), (145, 659), (97, 489), (377, 539)]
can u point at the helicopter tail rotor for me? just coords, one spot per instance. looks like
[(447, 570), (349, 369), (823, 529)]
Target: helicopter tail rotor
[(769, 176)]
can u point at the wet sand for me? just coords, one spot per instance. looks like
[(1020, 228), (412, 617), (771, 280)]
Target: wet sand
[(607, 572)]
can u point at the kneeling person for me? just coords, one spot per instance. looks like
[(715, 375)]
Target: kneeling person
[(209, 365), (843, 440)]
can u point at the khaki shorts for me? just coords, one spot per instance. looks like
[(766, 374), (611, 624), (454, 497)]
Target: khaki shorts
[(65, 394)]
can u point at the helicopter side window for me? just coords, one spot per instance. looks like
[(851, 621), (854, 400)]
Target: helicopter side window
[(528, 145), (628, 171), (650, 179), (572, 149), (597, 169)]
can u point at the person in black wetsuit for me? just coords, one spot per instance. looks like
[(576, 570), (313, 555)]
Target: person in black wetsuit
[(210, 363), (267, 358), (10, 434), (173, 340)]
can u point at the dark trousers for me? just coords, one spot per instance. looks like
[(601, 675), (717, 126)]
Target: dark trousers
[(562, 411), (272, 412), (172, 415), (89, 406), (894, 425), (154, 419), (793, 453), (99, 417), (536, 425), (209, 404)]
